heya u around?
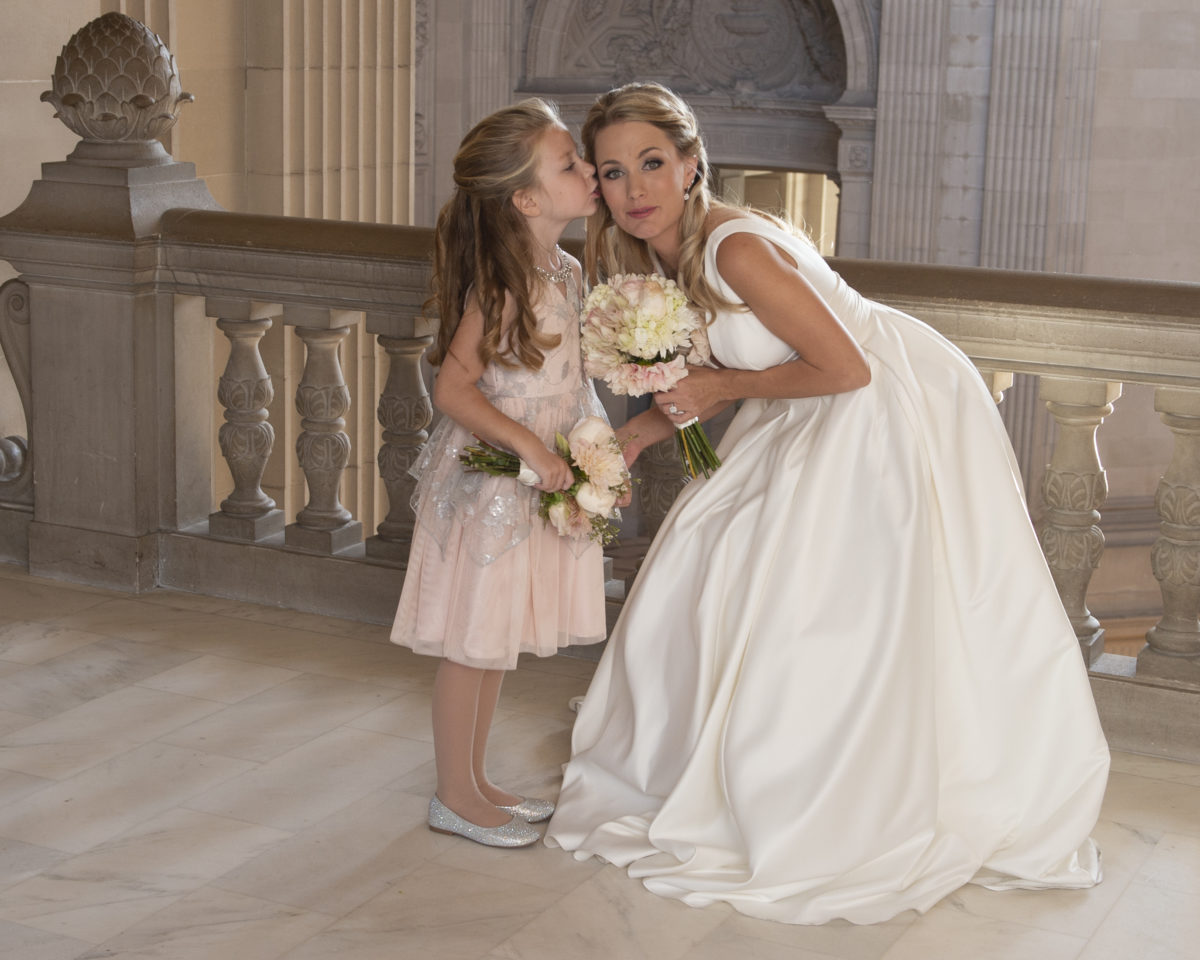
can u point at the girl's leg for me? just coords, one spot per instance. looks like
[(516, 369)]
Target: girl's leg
[(456, 696), (489, 695)]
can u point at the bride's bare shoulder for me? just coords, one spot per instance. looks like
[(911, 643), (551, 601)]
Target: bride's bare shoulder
[(720, 215)]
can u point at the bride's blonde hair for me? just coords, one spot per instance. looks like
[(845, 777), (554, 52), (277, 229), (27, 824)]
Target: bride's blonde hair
[(610, 250)]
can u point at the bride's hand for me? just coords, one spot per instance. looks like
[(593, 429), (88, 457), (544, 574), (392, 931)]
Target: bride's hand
[(691, 396), (631, 445)]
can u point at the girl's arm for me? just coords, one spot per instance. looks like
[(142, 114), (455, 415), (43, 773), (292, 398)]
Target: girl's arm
[(769, 283), (457, 395)]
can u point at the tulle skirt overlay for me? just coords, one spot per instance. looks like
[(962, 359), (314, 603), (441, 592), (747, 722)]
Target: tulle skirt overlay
[(487, 578)]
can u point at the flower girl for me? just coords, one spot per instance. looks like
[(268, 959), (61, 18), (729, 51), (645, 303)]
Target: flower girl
[(487, 578)]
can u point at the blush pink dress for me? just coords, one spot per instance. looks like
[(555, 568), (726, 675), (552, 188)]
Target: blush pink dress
[(487, 578)]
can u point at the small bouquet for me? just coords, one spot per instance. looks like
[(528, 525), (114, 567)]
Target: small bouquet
[(638, 334), (587, 509)]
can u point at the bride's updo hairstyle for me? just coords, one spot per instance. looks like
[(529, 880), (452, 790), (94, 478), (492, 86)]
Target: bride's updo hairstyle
[(610, 250), (482, 239)]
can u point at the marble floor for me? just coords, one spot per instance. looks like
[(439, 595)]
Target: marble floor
[(185, 778)]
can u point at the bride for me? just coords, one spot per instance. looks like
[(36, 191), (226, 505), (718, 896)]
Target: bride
[(843, 684)]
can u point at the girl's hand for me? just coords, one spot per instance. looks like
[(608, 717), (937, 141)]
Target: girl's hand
[(692, 396), (554, 470)]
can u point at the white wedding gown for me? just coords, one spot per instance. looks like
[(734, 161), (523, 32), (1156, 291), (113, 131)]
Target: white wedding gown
[(843, 684)]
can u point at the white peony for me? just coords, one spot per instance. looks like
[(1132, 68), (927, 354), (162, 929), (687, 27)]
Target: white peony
[(590, 430), (595, 500)]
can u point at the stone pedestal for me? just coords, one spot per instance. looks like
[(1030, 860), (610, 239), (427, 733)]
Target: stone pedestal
[(102, 335)]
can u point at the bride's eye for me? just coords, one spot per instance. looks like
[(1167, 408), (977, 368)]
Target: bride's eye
[(652, 163), (611, 174)]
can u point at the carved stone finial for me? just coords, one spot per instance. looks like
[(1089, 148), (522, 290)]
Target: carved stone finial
[(115, 81)]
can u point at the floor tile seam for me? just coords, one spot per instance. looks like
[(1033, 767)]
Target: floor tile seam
[(53, 584), (52, 782), (79, 773), (306, 671), (195, 696), (260, 765), (24, 796), (29, 843), (192, 893), (19, 713), (107, 847), (1126, 774), (916, 929), (809, 953), (558, 894), (516, 933), (275, 756), (215, 884), (231, 614), (138, 684), (91, 945)]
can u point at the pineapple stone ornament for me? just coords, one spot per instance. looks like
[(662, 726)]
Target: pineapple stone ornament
[(115, 84)]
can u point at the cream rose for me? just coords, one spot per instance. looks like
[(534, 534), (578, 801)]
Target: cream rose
[(559, 515)]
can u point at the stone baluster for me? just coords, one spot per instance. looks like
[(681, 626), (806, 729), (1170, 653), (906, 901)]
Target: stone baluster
[(1173, 644), (1074, 488), (404, 412), (662, 477), (246, 437), (16, 461), (998, 381), (322, 448)]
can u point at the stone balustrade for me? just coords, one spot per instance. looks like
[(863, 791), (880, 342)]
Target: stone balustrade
[(1086, 337), (129, 276)]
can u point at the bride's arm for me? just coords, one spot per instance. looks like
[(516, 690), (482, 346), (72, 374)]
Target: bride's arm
[(769, 283)]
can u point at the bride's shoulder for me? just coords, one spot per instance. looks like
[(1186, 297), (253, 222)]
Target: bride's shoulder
[(718, 216)]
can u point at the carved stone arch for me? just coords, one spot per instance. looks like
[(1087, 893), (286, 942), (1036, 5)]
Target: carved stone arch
[(759, 73), (860, 31)]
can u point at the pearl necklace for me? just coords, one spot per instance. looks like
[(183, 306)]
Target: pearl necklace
[(559, 275)]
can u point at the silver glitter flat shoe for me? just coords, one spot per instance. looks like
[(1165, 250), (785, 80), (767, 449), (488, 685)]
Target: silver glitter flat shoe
[(530, 809), (515, 833)]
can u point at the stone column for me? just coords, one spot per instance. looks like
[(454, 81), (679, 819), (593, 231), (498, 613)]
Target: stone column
[(907, 141), (404, 412), (328, 102), (1074, 489), (323, 449), (1173, 644), (246, 438), (856, 173)]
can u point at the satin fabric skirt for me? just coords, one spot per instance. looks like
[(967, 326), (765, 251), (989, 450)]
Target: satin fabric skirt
[(844, 684)]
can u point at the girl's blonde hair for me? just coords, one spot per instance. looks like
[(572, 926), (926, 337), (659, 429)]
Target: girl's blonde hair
[(482, 241), (609, 249)]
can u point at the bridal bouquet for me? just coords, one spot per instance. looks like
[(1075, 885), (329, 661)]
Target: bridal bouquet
[(638, 334), (587, 509)]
